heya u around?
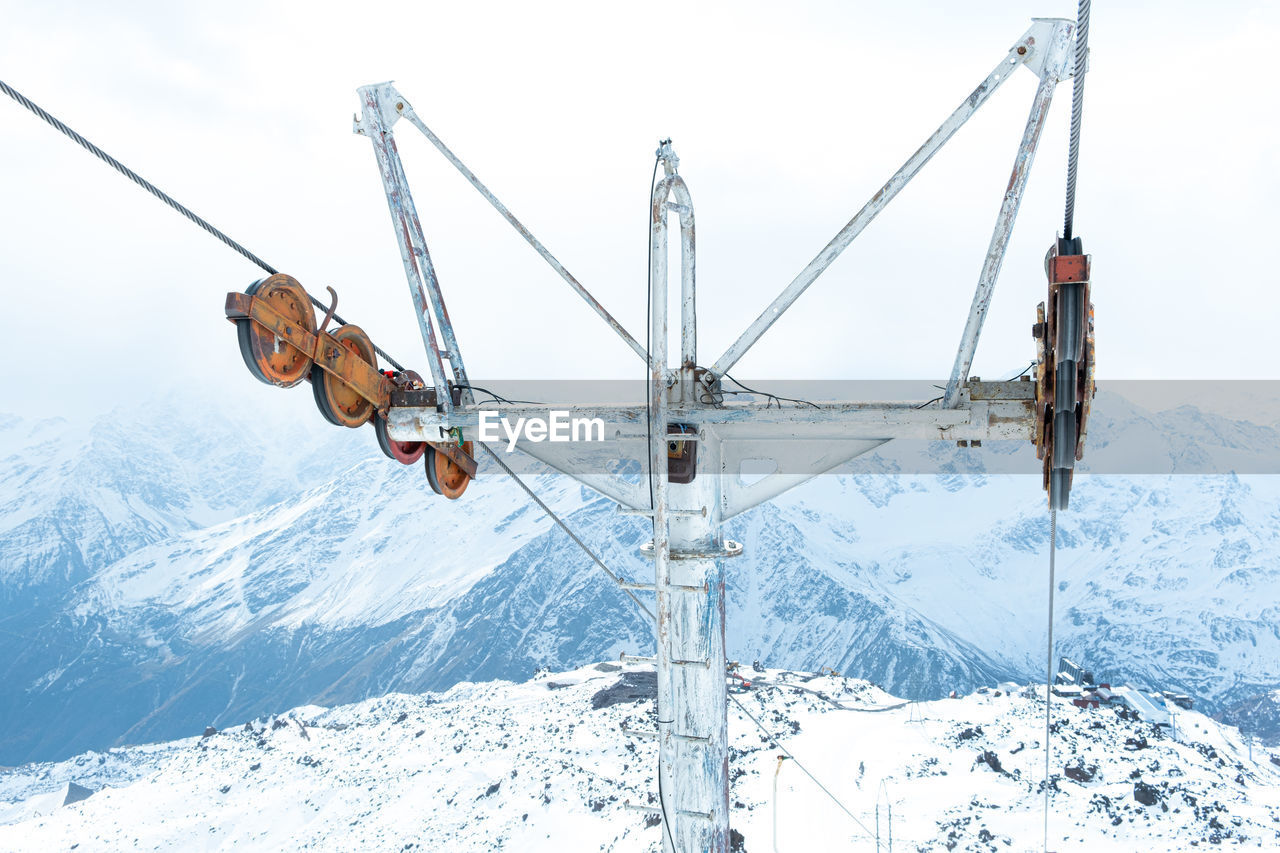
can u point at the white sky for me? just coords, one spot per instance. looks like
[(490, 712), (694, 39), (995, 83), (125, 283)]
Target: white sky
[(787, 117)]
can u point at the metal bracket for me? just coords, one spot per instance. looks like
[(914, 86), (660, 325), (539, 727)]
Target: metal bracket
[(387, 96), (1046, 43), (730, 549)]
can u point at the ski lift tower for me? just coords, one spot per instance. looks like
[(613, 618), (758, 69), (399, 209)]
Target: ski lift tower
[(694, 440)]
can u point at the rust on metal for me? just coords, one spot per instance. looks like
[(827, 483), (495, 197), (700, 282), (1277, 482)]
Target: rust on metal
[(274, 323), (1089, 386), (281, 346), (1062, 269), (450, 468), (333, 306), (347, 385), (1068, 268)]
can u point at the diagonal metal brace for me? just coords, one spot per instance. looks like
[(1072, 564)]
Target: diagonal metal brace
[(404, 109), (1025, 51)]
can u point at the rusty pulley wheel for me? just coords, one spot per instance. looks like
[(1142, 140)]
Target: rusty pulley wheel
[(341, 404), (444, 475), (404, 452), (271, 358)]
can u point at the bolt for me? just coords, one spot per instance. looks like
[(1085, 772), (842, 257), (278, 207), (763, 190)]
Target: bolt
[(400, 105), (1022, 50)]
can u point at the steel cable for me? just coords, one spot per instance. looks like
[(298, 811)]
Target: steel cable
[(552, 515), (1068, 225), (164, 197), (1048, 680), (787, 753), (1077, 112)]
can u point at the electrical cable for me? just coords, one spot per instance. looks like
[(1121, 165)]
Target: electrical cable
[(773, 398), (164, 197), (497, 398)]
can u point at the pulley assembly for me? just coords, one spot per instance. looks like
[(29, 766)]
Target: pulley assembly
[(281, 345), (1064, 367)]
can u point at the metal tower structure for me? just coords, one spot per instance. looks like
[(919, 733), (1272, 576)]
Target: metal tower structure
[(694, 442)]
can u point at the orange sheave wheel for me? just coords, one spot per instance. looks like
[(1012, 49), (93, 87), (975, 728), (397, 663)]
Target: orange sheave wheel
[(445, 477), (336, 400), (271, 359)]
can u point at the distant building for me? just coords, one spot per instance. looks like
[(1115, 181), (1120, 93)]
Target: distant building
[(1073, 674)]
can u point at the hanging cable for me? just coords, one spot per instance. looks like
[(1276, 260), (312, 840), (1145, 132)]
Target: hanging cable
[(773, 740), (1077, 113), (1068, 226), (1048, 680), (164, 197), (774, 399), (551, 513)]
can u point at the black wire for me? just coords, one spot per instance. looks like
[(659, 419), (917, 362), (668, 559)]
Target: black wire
[(773, 398), (164, 197), (498, 398), (1030, 367)]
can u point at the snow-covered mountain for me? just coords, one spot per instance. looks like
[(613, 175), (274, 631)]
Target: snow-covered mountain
[(545, 766), (171, 568)]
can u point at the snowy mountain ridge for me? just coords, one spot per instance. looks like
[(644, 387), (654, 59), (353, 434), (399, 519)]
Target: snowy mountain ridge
[(545, 766), (180, 571)]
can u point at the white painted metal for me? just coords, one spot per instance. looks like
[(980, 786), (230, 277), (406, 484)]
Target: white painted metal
[(374, 124), (382, 105), (693, 757), (1003, 417), (1053, 54)]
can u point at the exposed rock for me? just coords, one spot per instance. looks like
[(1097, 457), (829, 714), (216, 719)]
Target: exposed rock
[(638, 686), (1146, 794), (76, 793), (1081, 773)]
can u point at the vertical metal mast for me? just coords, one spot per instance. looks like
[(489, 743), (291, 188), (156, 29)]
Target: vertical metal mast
[(688, 547)]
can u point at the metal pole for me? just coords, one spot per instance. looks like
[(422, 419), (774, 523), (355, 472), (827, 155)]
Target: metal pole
[(777, 771), (434, 294), (373, 126), (657, 358), (591, 301), (699, 696), (693, 752), (878, 202), (673, 184), (1008, 214)]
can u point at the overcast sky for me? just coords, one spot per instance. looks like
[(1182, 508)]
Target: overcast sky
[(786, 117)]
